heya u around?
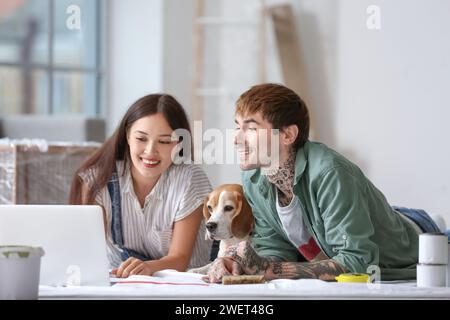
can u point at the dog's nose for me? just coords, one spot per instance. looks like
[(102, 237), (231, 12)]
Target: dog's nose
[(211, 226)]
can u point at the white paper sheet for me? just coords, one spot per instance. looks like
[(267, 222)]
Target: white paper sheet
[(169, 284)]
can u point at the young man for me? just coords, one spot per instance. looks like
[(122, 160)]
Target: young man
[(317, 215)]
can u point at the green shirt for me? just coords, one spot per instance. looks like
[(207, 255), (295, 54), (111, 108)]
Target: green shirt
[(350, 219)]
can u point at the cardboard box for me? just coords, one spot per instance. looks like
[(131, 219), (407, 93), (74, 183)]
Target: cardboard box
[(37, 174)]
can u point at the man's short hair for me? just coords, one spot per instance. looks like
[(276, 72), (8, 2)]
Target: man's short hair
[(278, 105)]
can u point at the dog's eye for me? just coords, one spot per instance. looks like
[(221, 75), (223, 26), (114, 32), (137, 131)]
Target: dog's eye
[(209, 208), (228, 208)]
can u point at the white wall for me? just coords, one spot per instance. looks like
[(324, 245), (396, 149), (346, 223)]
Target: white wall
[(178, 50), (135, 54), (393, 100)]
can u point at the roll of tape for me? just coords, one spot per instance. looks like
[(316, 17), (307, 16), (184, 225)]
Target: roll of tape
[(353, 277), (431, 275), (433, 248)]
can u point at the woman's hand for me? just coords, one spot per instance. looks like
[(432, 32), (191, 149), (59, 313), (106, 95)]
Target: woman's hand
[(132, 267)]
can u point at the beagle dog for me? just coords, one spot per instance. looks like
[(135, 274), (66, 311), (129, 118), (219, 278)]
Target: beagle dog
[(228, 218)]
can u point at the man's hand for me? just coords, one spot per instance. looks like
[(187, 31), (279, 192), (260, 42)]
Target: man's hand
[(131, 267), (222, 267), (240, 259)]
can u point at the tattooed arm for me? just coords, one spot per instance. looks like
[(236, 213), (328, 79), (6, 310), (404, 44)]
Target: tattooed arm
[(244, 260), (324, 270)]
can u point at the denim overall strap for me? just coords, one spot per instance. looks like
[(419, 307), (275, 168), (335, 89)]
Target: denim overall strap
[(214, 250), (116, 219), (116, 212)]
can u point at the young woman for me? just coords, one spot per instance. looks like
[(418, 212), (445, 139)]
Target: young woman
[(152, 206)]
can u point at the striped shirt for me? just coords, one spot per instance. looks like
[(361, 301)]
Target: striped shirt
[(179, 191)]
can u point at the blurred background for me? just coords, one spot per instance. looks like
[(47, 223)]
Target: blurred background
[(375, 74)]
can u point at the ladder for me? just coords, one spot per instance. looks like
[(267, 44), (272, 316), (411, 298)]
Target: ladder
[(286, 41), (202, 21)]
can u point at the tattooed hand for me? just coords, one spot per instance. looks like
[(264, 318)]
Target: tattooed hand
[(222, 267), (240, 259), (250, 262)]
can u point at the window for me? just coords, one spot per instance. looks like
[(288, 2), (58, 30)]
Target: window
[(50, 57)]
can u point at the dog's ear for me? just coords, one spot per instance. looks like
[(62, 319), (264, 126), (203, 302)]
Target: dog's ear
[(242, 222), (206, 215), (206, 212)]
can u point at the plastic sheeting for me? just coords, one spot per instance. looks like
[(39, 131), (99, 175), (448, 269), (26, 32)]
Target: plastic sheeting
[(39, 172)]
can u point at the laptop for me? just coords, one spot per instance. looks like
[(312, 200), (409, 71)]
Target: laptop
[(73, 238)]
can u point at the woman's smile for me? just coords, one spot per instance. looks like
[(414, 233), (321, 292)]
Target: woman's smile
[(150, 163)]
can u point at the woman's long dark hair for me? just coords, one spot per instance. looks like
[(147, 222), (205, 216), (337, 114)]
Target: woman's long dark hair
[(117, 148)]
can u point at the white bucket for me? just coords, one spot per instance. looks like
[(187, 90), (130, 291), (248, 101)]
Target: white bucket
[(20, 268)]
